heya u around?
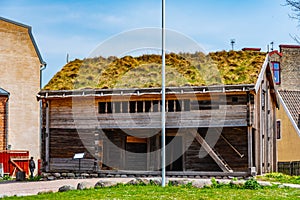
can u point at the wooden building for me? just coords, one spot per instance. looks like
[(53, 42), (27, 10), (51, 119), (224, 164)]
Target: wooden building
[(219, 129), (20, 65)]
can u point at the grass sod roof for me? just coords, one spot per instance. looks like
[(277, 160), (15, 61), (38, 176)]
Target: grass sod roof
[(184, 69)]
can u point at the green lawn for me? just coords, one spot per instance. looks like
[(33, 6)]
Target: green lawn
[(279, 177), (171, 192)]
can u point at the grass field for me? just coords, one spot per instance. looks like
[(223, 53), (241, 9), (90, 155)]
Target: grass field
[(279, 177), (171, 192)]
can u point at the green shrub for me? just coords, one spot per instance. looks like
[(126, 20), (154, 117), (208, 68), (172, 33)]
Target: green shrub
[(7, 178), (35, 178), (252, 184)]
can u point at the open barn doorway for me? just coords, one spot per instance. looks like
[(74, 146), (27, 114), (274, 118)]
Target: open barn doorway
[(136, 153), (174, 152)]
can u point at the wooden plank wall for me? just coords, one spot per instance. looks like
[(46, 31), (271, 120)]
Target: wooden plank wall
[(69, 120), (236, 136), (83, 113), (72, 165), (64, 143)]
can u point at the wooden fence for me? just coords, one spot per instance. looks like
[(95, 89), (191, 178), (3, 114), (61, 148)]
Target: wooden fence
[(290, 168)]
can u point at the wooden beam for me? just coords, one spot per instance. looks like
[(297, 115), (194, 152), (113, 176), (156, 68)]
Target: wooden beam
[(225, 167), (21, 158), (249, 130)]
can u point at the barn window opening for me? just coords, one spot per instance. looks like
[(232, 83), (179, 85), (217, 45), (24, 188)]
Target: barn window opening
[(125, 107), (187, 105), (278, 129), (155, 106), (170, 105), (117, 107), (132, 105), (109, 107), (102, 107), (140, 106), (178, 105), (144, 106), (263, 99), (147, 106)]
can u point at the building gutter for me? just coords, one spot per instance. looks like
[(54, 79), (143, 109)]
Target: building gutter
[(46, 94), (42, 68)]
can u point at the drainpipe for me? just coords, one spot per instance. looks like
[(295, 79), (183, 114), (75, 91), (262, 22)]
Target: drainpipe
[(42, 67)]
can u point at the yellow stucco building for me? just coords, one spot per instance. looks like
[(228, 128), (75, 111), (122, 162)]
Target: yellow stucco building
[(20, 65)]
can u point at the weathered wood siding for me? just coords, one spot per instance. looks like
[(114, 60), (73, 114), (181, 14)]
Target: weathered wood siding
[(64, 143), (82, 113), (195, 161), (70, 120), (264, 128)]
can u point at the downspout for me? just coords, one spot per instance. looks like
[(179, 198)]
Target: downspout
[(42, 67)]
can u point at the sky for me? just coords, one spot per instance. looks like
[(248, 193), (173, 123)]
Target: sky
[(77, 28)]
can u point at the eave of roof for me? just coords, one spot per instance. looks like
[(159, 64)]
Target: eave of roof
[(30, 35), (4, 92), (266, 68), (288, 46), (275, 52), (44, 94)]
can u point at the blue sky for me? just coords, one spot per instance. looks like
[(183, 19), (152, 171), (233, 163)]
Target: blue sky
[(78, 27)]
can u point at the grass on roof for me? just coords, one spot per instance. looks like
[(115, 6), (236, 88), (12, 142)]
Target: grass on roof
[(185, 69)]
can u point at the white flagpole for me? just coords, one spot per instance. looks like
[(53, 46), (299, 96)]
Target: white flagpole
[(163, 106)]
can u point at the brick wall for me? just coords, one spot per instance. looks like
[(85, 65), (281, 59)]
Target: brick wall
[(290, 67), (3, 100)]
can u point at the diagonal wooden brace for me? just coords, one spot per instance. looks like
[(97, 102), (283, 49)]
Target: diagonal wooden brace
[(210, 151)]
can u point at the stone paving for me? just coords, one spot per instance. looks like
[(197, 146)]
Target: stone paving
[(33, 188)]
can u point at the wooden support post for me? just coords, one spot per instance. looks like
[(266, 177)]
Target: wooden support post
[(47, 138), (210, 151), (98, 151), (249, 131), (157, 159), (148, 154), (250, 150), (183, 150)]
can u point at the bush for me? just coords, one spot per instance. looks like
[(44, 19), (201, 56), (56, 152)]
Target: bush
[(35, 178), (252, 184), (7, 178)]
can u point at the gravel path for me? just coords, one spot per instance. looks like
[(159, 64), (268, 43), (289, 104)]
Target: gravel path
[(32, 188)]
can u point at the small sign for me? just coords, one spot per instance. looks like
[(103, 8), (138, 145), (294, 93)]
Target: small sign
[(78, 155)]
